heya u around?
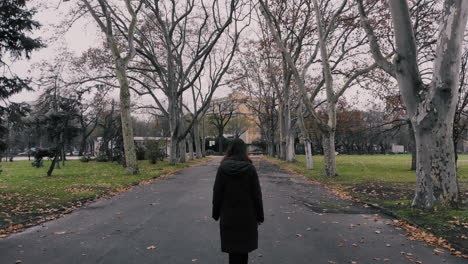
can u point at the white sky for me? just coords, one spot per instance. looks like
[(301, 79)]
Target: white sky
[(80, 37), (83, 35)]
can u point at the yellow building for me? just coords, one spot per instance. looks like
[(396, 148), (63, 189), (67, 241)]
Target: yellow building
[(239, 103)]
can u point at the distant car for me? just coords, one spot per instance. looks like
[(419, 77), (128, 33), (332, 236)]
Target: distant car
[(22, 154), (75, 153)]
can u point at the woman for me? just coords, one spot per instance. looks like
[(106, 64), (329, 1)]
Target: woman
[(237, 201)]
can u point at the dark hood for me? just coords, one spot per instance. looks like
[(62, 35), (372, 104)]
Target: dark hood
[(234, 167)]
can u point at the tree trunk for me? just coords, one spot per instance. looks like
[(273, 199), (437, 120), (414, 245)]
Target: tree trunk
[(270, 148), (182, 151), (412, 146), (173, 150), (436, 168), (190, 146), (289, 133), (54, 162), (82, 146), (329, 156), (308, 152), (282, 140), (126, 119), (220, 140), (174, 129), (305, 137), (290, 146), (183, 141), (203, 145), (196, 135)]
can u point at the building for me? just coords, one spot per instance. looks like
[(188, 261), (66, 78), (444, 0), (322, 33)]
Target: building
[(238, 104)]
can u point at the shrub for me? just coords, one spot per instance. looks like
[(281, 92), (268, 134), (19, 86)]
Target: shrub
[(154, 151), (140, 152), (102, 158), (85, 158)]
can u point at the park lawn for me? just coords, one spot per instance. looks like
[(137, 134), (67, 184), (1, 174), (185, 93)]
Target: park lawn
[(28, 196), (354, 169), (386, 180)]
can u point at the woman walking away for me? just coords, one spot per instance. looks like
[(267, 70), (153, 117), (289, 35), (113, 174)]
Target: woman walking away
[(237, 200)]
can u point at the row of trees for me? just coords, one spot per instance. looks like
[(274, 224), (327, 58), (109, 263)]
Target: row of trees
[(309, 53), (301, 60)]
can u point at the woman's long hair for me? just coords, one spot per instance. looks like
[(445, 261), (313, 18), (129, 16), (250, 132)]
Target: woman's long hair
[(237, 149)]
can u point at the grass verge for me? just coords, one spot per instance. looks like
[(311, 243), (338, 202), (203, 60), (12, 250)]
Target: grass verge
[(386, 181), (29, 197)]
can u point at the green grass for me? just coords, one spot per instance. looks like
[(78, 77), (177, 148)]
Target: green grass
[(26, 192), (354, 169)]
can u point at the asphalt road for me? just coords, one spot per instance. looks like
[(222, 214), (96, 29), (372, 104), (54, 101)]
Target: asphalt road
[(169, 221)]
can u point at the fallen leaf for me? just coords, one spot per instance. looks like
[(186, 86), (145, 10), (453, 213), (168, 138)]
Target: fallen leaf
[(59, 233), (341, 245), (438, 251), (152, 247), (194, 260), (298, 235)]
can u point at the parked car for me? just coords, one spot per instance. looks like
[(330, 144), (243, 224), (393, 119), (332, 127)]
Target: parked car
[(75, 153), (22, 154)]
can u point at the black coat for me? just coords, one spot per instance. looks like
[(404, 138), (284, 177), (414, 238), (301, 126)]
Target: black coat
[(237, 201)]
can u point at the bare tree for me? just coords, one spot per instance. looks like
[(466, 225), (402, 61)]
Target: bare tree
[(106, 16), (220, 115), (342, 48), (430, 107), (175, 45)]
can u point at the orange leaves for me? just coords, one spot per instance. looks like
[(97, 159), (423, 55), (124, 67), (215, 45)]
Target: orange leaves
[(418, 234)]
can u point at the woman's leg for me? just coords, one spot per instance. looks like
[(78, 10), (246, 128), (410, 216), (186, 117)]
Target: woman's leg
[(238, 258), (245, 258)]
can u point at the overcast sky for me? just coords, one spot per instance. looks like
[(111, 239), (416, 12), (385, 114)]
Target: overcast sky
[(78, 38), (83, 35)]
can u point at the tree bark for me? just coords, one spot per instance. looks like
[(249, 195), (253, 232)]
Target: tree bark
[(308, 152), (182, 140), (282, 140), (182, 151), (126, 119), (436, 170), (305, 137), (173, 128), (329, 157), (290, 149), (197, 139), (412, 146), (190, 146), (203, 139)]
